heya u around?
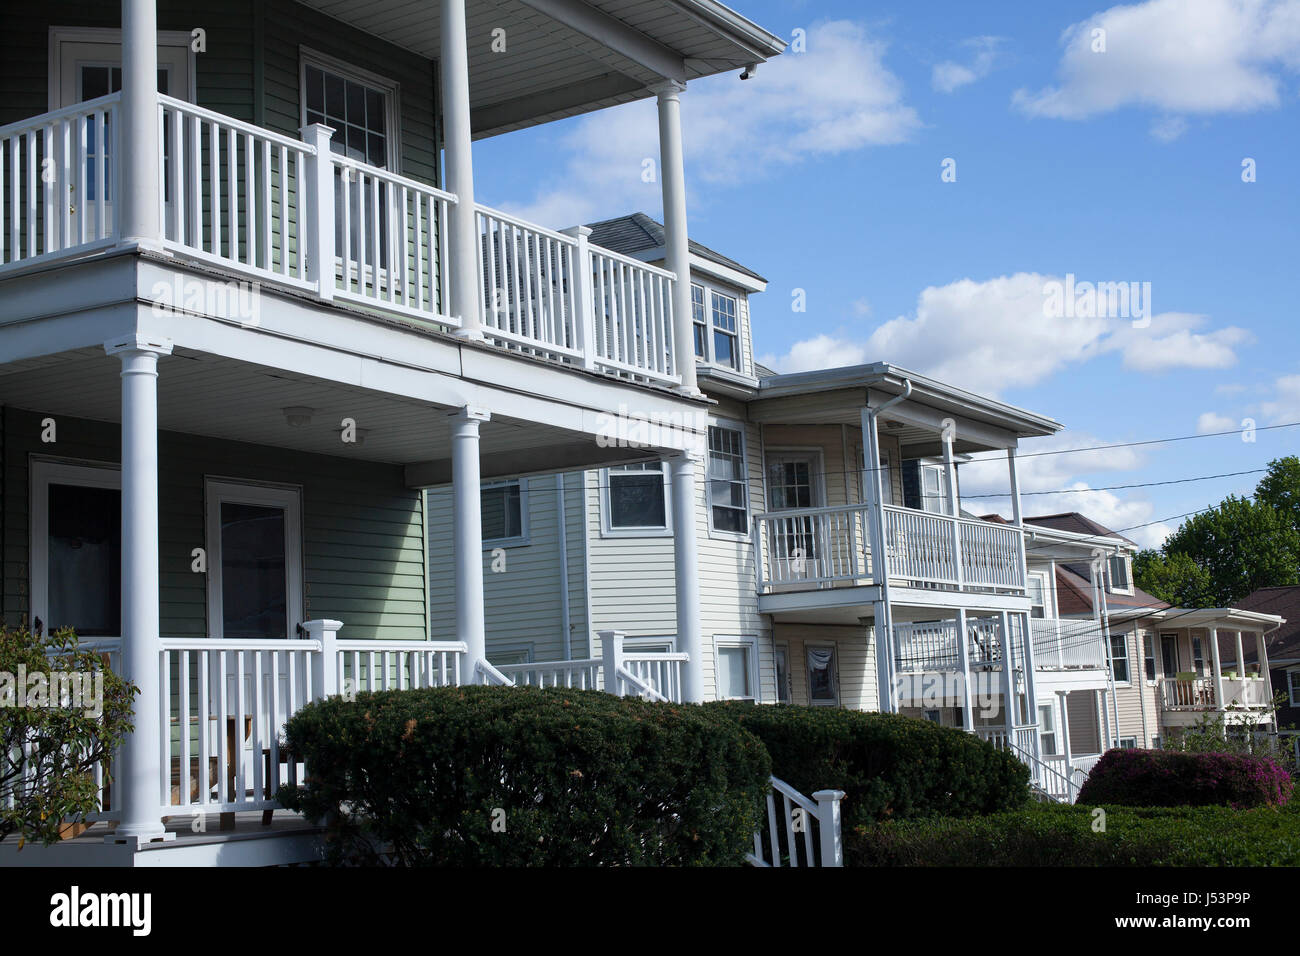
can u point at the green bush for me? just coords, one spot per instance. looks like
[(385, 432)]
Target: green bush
[(889, 766), (1164, 778), (1062, 835), (574, 777)]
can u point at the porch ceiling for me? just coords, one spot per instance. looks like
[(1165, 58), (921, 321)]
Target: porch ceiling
[(217, 397), (567, 57)]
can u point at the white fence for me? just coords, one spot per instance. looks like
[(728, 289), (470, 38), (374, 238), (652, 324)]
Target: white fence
[(932, 645), (1067, 645), (650, 675), (800, 831), (813, 546), (933, 549)]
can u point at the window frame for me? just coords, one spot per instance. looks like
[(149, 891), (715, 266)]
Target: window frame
[(1111, 659), (1291, 674), (724, 533), (781, 668), (1131, 745), (709, 357), (1128, 574), (392, 90), (1047, 728), (43, 472), (607, 527), (835, 673), (749, 644), (515, 541), (217, 490), (651, 644), (524, 648), (1046, 605)]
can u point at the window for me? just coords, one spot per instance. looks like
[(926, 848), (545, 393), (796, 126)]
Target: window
[(503, 514), (701, 323), (782, 660), (933, 716), (1119, 658), (76, 548), (1169, 654), (725, 341), (925, 486), (1149, 655), (1128, 743), (727, 493), (653, 645), (635, 498), (822, 683), (1198, 657), (736, 668), (513, 654), (1293, 687), (1037, 595), (254, 542), (1117, 569), (1047, 728)]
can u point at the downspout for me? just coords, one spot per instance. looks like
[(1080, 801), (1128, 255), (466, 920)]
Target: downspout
[(880, 559), (562, 518)]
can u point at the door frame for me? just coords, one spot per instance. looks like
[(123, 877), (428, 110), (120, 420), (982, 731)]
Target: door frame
[(61, 35)]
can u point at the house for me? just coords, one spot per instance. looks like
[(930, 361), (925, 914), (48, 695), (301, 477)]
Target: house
[(1283, 655), (251, 305)]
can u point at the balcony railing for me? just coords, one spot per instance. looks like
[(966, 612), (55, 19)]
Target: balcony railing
[(813, 547), (271, 208), (1197, 693), (1067, 645), (932, 646)]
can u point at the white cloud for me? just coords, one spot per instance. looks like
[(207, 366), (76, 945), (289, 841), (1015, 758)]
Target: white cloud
[(994, 334), (837, 97), (951, 75), (862, 307), (1177, 56), (1208, 423), (1284, 406), (1169, 128)]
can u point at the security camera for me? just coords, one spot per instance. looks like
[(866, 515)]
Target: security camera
[(749, 71)]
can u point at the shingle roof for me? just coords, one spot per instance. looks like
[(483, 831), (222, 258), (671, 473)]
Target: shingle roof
[(1078, 523), (1284, 643), (1074, 593), (638, 232)]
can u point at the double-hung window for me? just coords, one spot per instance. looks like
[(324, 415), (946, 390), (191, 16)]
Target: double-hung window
[(1117, 568), (636, 499), (1119, 658), (727, 493), (823, 683), (701, 323), (503, 512), (1037, 595), (736, 668), (716, 322), (1047, 728), (1293, 687)]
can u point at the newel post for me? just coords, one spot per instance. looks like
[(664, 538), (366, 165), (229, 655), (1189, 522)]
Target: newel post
[(611, 650), (584, 294), (829, 825), (325, 668), (317, 212)]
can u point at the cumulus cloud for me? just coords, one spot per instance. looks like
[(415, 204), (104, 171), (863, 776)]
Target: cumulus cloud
[(837, 97), (1284, 404), (951, 75), (1180, 57), (996, 334), (1207, 423)]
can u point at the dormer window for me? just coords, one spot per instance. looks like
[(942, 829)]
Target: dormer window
[(717, 326), (1117, 573)]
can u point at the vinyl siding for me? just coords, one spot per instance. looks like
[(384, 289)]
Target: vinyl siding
[(363, 545), (855, 660)]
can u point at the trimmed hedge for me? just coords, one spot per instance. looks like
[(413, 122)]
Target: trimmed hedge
[(1061, 835), (1164, 778), (575, 777), (889, 766)]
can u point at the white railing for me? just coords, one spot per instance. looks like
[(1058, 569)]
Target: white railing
[(233, 193), (933, 549), (990, 555), (485, 673), (813, 546), (984, 634), (1048, 775), (1067, 644), (583, 674), (1197, 693), (58, 181), (790, 838), (632, 315), (661, 673), (654, 676), (397, 665), (928, 646)]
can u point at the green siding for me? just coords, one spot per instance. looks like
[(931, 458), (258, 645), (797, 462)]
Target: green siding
[(363, 537)]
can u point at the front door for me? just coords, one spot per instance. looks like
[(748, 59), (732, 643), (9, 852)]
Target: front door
[(793, 483), (1169, 654)]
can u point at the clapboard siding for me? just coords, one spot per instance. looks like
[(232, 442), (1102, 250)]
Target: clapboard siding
[(363, 551), (855, 658)]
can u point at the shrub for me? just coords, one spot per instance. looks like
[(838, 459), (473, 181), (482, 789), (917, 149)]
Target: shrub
[(1062, 835), (1162, 778), (574, 778), (55, 730), (889, 766)]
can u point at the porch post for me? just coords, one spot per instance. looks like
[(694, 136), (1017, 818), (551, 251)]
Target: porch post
[(1241, 657), (887, 691), (963, 657), (1064, 705), (1218, 668), (950, 475), (686, 574), (1031, 685), (1008, 677), (1142, 684), (139, 208), (467, 534), (140, 778), (1261, 655), (462, 232), (677, 256), (1018, 516)]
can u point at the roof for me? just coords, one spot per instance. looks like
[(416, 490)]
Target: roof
[(1074, 594), (638, 233), (1076, 523), (1284, 643)]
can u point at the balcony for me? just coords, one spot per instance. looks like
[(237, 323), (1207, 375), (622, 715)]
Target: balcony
[(1197, 694), (267, 208), (1063, 645), (830, 547)]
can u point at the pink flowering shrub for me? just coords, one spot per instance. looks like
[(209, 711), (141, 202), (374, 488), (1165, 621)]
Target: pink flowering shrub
[(1164, 778)]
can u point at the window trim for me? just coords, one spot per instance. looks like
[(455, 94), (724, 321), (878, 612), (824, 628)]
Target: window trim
[(782, 648), (835, 673), (42, 473), (1128, 574), (646, 644), (1132, 745), (58, 36), (265, 494), (1290, 686), (1111, 658), (607, 529), (816, 456), (750, 643), (722, 533), (391, 89), (524, 537), (1047, 596), (710, 354), (520, 647)]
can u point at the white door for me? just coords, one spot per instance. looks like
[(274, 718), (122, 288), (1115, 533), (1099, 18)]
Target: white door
[(794, 482)]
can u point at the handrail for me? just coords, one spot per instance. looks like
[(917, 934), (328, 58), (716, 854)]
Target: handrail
[(491, 675), (644, 689), (224, 119), (396, 179), (63, 112)]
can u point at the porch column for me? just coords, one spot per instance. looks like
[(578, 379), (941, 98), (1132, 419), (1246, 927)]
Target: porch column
[(1018, 517), (140, 780), (686, 573), (1063, 703), (1141, 683), (467, 535), (886, 689), (1241, 657), (1031, 685), (1008, 677), (677, 257), (139, 206), (462, 231), (963, 657), (1218, 669)]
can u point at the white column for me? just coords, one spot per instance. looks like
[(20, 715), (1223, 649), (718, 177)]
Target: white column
[(462, 231), (139, 207), (140, 780), (1018, 516), (1218, 668), (467, 535), (1064, 719), (1008, 677), (325, 668), (686, 571), (1241, 656), (677, 258), (963, 658), (886, 686), (1141, 684), (1031, 685)]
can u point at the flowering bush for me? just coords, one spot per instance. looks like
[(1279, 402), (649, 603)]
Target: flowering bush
[(1162, 778)]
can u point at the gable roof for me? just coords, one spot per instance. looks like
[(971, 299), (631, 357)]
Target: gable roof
[(1074, 594), (1077, 523), (1284, 643), (637, 232)]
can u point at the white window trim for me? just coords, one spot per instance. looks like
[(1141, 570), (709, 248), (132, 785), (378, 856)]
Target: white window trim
[(524, 537), (750, 642), (522, 647), (289, 497), (653, 644), (819, 469), (43, 473), (62, 35), (1047, 595), (1128, 573), (1290, 687), (607, 530), (1128, 659), (1133, 742), (781, 647), (709, 357), (391, 88), (708, 485), (835, 673)]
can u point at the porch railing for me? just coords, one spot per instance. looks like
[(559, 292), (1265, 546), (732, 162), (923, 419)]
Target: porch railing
[(655, 676), (817, 547), (932, 645), (933, 549), (1197, 693), (803, 832), (1067, 645)]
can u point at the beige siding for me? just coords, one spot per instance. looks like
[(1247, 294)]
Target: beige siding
[(855, 660)]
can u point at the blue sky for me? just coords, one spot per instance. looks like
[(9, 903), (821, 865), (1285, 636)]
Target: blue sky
[(1123, 164)]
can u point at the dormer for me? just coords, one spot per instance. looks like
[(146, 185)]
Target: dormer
[(720, 289)]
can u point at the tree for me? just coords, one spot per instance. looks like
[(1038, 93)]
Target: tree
[(1280, 489), (1242, 545), (1174, 578), (62, 714)]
